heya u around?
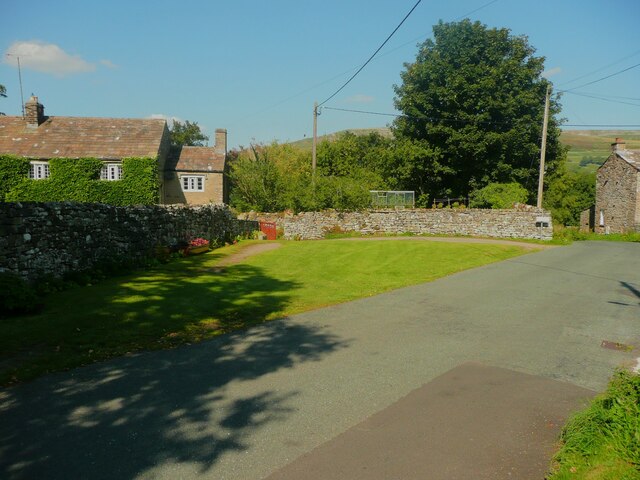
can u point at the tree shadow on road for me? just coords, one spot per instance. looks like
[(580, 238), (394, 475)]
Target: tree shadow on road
[(127, 417), (631, 291)]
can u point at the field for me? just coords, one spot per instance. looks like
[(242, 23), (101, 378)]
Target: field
[(193, 298), (588, 149)]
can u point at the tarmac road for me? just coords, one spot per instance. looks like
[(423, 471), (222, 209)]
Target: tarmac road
[(248, 404)]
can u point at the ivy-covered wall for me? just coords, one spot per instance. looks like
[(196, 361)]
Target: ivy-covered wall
[(13, 170), (78, 180)]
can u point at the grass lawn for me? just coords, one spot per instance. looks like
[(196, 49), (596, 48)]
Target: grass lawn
[(190, 299)]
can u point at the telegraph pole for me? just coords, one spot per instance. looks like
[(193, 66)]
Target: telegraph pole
[(315, 137), (543, 147)]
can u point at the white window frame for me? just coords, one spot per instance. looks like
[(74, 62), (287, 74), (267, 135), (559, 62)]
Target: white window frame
[(111, 172), (39, 170), (192, 183)]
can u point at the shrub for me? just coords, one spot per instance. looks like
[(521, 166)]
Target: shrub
[(498, 195), (16, 296)]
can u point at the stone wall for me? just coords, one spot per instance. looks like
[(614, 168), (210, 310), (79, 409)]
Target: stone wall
[(476, 222), (213, 188), (37, 239), (277, 218)]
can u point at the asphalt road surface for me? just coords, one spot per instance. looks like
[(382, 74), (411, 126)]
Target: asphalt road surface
[(255, 404)]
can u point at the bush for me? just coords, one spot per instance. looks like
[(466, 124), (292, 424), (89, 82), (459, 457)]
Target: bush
[(16, 296), (498, 195), (568, 194)]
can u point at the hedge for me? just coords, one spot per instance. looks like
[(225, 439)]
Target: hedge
[(78, 180)]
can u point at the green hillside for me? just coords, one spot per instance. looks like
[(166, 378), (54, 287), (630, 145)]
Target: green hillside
[(588, 149), (306, 143)]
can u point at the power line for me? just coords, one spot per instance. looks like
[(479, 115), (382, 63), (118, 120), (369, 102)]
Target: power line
[(635, 99), (374, 54), (601, 79), (602, 68), (469, 121), (421, 37), (604, 99), (600, 125), (419, 117), (388, 52)]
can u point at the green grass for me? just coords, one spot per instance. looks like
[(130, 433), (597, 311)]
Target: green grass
[(566, 235), (603, 441), (191, 299)]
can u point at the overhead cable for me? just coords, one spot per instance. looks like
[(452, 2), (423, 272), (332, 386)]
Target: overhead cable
[(374, 54)]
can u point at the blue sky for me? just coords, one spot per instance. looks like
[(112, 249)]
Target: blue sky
[(256, 67)]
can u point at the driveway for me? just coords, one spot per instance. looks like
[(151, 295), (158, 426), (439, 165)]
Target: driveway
[(247, 404)]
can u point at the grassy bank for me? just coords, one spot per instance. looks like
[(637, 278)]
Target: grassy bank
[(603, 441), (191, 299)]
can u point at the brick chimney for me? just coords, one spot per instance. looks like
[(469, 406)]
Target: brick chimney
[(221, 141), (619, 144), (34, 112)]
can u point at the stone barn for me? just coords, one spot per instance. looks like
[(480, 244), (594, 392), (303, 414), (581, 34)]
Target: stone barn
[(617, 208)]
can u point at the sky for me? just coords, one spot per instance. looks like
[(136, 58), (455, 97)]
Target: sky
[(255, 67)]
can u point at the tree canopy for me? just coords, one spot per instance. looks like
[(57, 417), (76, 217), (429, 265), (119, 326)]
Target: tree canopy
[(187, 134), (3, 93), (475, 95)]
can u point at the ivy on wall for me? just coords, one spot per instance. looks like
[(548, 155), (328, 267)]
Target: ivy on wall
[(78, 180), (12, 171)]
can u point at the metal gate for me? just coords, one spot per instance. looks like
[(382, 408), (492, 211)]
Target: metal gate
[(269, 229)]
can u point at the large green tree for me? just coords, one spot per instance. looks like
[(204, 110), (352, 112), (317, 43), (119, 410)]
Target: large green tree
[(476, 96)]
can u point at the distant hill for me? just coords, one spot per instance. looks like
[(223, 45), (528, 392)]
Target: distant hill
[(307, 143), (588, 149)]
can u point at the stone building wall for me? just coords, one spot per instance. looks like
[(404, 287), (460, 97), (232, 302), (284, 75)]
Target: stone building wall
[(476, 222), (617, 196), (213, 189), (37, 239)]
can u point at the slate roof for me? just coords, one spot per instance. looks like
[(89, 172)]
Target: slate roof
[(197, 159), (78, 137), (632, 157)]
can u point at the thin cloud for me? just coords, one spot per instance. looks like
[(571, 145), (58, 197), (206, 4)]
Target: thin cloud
[(168, 118), (108, 64), (46, 58), (551, 72), (360, 98)]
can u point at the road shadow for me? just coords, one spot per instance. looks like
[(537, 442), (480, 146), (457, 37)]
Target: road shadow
[(125, 417), (630, 291)]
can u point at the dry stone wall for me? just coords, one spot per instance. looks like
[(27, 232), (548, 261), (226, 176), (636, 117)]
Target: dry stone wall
[(476, 222), (39, 239)]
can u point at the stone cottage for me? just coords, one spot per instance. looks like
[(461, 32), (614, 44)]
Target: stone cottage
[(617, 208), (195, 175)]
